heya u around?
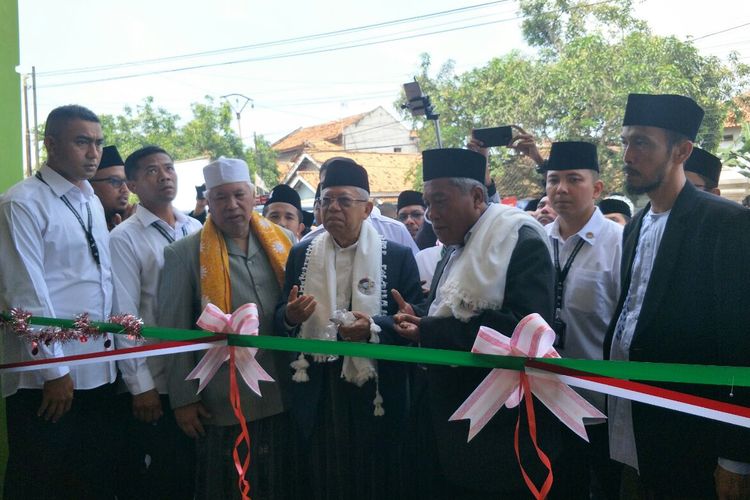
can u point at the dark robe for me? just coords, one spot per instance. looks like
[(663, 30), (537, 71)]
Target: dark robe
[(695, 311), (346, 452)]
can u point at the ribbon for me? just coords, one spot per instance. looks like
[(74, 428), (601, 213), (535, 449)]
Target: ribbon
[(532, 338), (244, 321)]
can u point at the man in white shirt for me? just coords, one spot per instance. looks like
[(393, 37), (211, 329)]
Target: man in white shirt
[(586, 250), (683, 300), (390, 229), (56, 263), (137, 247)]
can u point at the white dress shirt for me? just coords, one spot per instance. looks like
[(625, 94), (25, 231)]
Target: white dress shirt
[(47, 268), (390, 229), (427, 261), (621, 436), (591, 288), (137, 257)]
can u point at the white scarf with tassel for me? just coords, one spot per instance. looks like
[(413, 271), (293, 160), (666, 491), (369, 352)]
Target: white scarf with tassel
[(368, 295), (476, 280)]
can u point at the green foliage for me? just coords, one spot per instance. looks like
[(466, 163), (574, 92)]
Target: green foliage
[(590, 58), (738, 154), (208, 133), (262, 161)]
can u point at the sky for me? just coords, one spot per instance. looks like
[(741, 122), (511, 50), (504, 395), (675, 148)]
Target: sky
[(249, 48)]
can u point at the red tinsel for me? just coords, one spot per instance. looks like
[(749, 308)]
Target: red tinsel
[(82, 330)]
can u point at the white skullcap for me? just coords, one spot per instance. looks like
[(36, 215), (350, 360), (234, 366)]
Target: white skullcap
[(225, 171)]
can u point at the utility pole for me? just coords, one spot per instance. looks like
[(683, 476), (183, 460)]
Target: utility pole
[(238, 102), (26, 120), (36, 124)]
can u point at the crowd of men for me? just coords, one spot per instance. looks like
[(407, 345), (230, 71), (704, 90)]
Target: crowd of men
[(665, 284)]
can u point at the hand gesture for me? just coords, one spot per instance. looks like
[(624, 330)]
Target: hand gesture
[(298, 309), (147, 406), (525, 144), (57, 398), (407, 325), (359, 331), (188, 418)]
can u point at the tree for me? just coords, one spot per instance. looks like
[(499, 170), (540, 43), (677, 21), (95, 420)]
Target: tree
[(262, 161), (208, 133), (589, 58)]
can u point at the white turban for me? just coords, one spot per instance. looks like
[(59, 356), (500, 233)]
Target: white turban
[(225, 171)]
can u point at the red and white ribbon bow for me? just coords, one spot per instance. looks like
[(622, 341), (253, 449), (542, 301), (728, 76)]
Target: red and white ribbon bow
[(532, 338), (244, 321)]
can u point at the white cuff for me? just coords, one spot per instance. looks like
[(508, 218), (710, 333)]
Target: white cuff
[(374, 331), (734, 467)]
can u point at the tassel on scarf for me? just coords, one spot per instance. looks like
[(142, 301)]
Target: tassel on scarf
[(300, 369)]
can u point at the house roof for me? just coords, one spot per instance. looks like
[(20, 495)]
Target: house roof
[(330, 131), (743, 103), (387, 172)]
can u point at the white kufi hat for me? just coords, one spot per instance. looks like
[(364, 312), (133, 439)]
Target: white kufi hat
[(225, 171)]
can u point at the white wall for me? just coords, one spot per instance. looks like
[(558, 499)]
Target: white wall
[(380, 132), (189, 175)]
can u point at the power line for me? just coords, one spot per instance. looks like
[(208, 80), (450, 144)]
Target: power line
[(721, 31), (279, 56), (284, 41)]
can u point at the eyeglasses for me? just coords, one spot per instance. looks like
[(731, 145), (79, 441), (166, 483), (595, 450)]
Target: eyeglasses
[(115, 182), (343, 201), (414, 215)]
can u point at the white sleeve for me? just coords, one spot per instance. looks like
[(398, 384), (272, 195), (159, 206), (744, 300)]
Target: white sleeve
[(734, 467), (126, 277), (22, 281)]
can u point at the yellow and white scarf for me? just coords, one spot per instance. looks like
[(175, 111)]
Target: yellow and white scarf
[(216, 287)]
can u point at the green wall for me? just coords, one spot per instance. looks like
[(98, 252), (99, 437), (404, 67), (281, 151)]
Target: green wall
[(11, 159)]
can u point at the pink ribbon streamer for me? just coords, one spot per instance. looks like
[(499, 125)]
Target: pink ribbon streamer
[(244, 321), (532, 338)]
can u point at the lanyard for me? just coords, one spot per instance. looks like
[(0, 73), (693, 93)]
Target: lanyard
[(560, 275), (164, 232), (87, 230)]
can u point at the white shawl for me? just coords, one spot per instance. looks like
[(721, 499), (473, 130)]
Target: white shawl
[(476, 278)]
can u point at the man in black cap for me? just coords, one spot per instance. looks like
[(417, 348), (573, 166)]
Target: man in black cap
[(410, 209), (496, 271), (390, 229), (684, 286), (110, 186), (703, 169), (349, 411), (285, 209), (586, 251), (200, 213), (617, 208)]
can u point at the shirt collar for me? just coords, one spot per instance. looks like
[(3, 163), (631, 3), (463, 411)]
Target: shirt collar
[(146, 217), (587, 233), (62, 186)]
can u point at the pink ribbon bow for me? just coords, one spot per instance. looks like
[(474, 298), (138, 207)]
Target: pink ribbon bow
[(532, 338), (244, 321)]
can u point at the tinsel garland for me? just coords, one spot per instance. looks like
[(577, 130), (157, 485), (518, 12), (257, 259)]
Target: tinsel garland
[(82, 330)]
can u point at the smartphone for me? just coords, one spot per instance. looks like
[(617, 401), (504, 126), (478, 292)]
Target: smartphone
[(494, 136)]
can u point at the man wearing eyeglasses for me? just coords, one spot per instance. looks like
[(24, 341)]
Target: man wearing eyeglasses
[(110, 186), (350, 412), (411, 211)]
